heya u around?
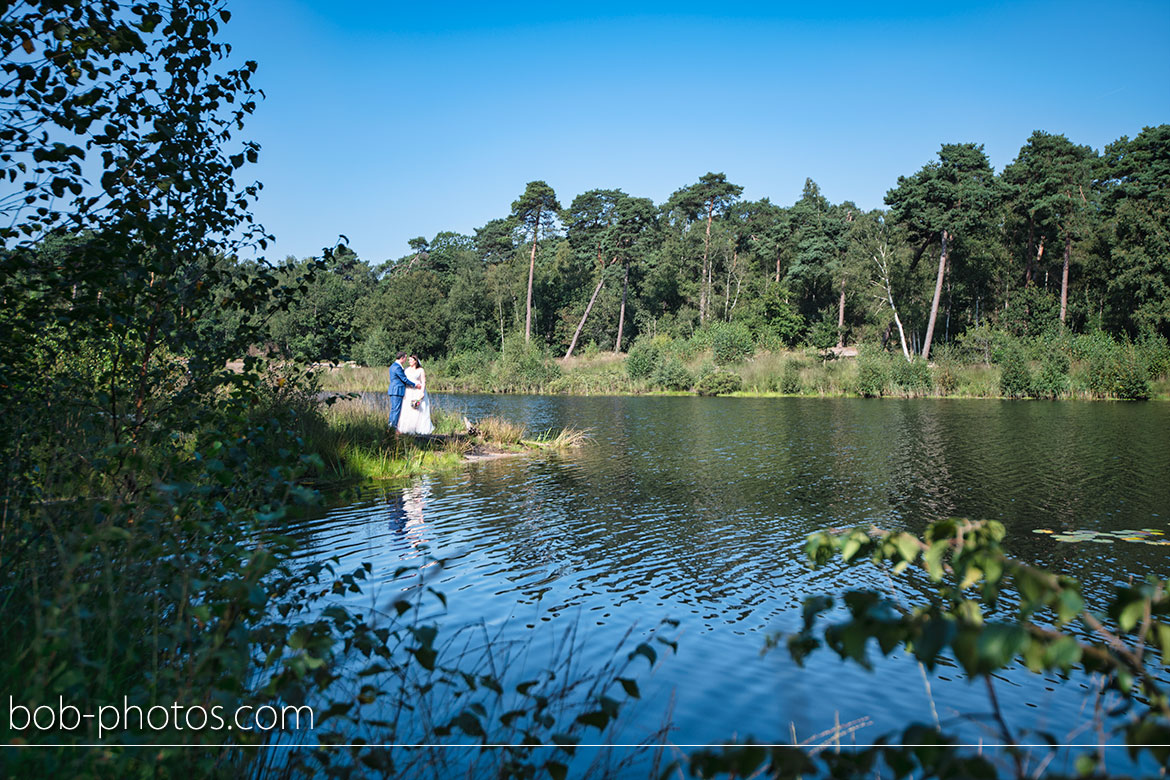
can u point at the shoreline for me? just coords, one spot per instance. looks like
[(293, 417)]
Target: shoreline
[(772, 394)]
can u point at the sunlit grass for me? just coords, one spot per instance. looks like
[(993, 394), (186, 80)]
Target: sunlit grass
[(353, 441)]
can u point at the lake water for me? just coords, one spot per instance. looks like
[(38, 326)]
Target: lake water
[(696, 509)]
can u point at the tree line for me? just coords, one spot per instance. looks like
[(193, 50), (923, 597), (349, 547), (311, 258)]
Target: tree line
[(1062, 237)]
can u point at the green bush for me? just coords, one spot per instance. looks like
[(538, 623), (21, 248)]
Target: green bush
[(1052, 381), (1015, 378), (376, 349), (719, 382), (946, 369), (643, 359), (1131, 382), (912, 377), (823, 333), (1114, 369), (524, 366), (1155, 354), (731, 343), (872, 374), (468, 364), (982, 344), (673, 375), (790, 382)]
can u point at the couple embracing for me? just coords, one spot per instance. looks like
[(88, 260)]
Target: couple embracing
[(410, 406)]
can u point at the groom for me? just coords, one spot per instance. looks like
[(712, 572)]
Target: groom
[(398, 385)]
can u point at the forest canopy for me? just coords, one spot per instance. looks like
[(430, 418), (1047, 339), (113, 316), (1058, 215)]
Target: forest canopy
[(1063, 237)]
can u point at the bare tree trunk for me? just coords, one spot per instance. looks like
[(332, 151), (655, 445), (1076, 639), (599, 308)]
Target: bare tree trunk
[(942, 267), (581, 324), (1064, 277), (918, 255), (622, 316), (777, 266), (531, 274), (887, 288), (950, 298), (705, 281), (841, 316)]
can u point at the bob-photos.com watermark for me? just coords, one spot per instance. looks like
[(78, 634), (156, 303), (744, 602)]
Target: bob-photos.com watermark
[(111, 718)]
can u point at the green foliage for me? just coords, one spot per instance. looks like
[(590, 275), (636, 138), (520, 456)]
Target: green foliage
[(472, 364), (673, 375), (1154, 350), (912, 377), (719, 382), (524, 366), (790, 381), (872, 373), (1043, 625), (773, 320), (1052, 380), (643, 360), (1033, 312), (946, 369), (731, 342), (1015, 379), (823, 333), (378, 349), (1113, 369)]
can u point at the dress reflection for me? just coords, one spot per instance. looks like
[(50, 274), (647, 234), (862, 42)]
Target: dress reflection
[(407, 519)]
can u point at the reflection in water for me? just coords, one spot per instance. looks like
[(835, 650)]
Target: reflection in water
[(697, 509)]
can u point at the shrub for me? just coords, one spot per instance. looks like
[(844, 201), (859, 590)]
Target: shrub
[(1015, 379), (1113, 369), (731, 343), (643, 359), (468, 363), (790, 382), (982, 344), (1155, 354), (718, 382), (872, 374), (524, 366), (1052, 381), (946, 369), (376, 349), (823, 333), (912, 377), (1131, 382), (673, 375)]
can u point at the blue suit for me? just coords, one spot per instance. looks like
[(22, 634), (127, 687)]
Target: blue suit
[(398, 385)]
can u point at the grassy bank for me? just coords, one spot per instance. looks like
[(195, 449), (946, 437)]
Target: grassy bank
[(1081, 368), (351, 441)]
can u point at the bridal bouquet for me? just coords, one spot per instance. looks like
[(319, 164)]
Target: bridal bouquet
[(416, 404)]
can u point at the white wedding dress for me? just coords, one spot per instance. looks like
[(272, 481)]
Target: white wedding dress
[(411, 420)]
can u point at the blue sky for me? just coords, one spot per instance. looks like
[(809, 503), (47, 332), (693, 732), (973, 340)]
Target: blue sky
[(384, 121)]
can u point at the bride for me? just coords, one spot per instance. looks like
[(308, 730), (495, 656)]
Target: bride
[(416, 405)]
